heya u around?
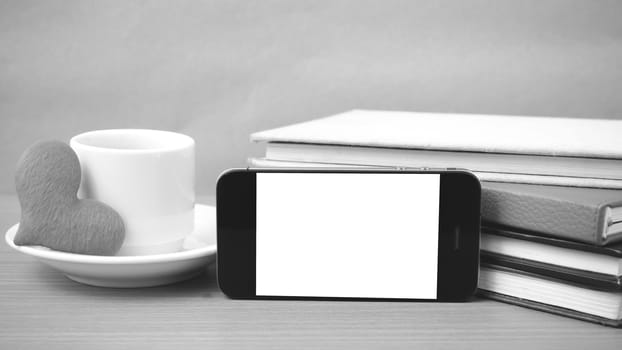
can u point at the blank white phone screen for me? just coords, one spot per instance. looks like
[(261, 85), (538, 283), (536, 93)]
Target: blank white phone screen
[(347, 235)]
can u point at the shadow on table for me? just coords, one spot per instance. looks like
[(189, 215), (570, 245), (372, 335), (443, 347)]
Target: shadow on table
[(202, 285)]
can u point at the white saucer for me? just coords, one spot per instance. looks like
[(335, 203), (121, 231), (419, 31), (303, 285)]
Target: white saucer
[(135, 271)]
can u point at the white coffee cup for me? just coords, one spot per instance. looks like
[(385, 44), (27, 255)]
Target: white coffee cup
[(147, 176)]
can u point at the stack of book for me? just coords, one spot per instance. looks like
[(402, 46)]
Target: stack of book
[(551, 193)]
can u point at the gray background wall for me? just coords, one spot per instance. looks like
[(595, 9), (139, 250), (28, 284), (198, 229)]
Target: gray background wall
[(218, 70)]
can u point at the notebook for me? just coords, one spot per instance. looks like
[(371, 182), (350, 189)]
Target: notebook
[(551, 295), (583, 214), (562, 151), (572, 261), (546, 136), (572, 213)]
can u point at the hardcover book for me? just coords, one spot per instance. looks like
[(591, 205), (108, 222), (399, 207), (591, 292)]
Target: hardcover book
[(567, 260), (583, 214), (549, 294), (584, 152), (588, 215)]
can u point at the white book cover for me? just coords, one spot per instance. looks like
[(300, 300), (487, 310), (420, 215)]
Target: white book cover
[(547, 136), (482, 175)]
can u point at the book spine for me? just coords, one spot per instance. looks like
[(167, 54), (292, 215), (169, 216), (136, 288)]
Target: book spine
[(545, 215), (607, 223)]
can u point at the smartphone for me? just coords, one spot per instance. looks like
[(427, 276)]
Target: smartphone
[(348, 234)]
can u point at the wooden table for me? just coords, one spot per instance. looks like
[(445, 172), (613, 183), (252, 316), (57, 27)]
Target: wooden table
[(40, 308)]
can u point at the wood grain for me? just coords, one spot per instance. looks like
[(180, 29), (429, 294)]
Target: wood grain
[(40, 308)]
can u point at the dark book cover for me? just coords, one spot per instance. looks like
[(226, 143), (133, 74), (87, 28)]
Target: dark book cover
[(570, 213)]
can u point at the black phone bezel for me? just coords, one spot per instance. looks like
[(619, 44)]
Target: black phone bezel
[(459, 228)]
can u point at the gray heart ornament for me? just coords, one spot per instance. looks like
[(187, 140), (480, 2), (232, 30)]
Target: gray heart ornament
[(47, 181)]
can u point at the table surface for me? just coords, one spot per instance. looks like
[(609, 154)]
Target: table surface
[(40, 308)]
